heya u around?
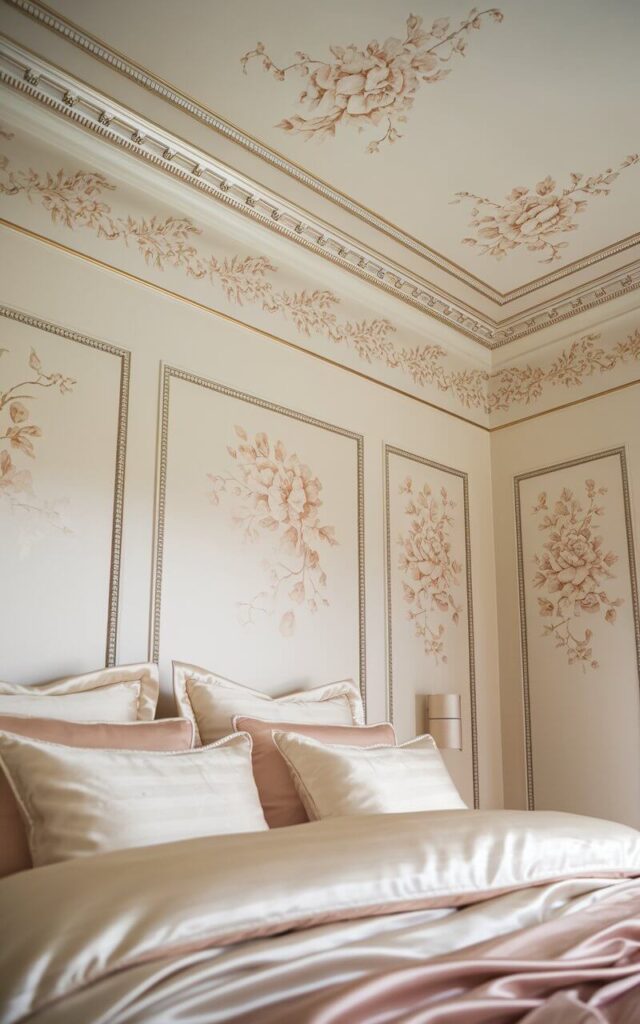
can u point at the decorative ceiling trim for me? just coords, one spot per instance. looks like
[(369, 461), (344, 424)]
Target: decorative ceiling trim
[(90, 109), (144, 77)]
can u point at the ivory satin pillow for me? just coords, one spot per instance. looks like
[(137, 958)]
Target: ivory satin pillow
[(334, 781), (211, 702), (278, 796), (167, 734), (127, 693), (76, 801)]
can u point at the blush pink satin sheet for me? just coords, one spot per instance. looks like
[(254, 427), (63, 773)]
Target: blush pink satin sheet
[(581, 969), (323, 921)]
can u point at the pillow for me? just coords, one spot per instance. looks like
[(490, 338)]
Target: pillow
[(334, 781), (127, 693), (77, 801), (280, 801), (168, 734), (211, 702)]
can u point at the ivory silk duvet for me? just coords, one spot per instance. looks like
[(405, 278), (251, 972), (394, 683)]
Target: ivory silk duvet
[(468, 917)]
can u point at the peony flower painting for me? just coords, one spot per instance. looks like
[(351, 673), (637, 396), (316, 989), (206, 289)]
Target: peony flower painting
[(573, 571), (431, 574), (275, 499), (372, 86), (537, 217)]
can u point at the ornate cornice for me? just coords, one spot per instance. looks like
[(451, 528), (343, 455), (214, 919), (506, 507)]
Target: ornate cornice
[(90, 109), (145, 78)]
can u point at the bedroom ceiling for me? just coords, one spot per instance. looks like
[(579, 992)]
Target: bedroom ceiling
[(493, 153)]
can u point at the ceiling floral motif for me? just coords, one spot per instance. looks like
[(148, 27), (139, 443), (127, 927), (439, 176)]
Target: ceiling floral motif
[(372, 86), (535, 217)]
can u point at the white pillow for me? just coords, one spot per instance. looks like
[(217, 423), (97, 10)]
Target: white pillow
[(211, 702), (333, 781), (126, 693), (77, 801)]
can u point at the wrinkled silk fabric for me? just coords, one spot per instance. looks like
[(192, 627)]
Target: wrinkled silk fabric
[(163, 933)]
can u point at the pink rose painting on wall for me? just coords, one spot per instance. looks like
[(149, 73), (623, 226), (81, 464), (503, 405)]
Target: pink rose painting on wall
[(372, 86), (18, 438), (535, 217), (572, 571), (275, 499), (426, 560)]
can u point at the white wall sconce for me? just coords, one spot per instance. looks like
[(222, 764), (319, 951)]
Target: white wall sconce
[(444, 717)]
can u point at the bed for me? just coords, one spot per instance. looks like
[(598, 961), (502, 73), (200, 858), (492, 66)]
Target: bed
[(443, 916)]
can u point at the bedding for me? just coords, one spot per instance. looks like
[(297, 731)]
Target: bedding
[(278, 796), (456, 916), (211, 702), (77, 801), (336, 780), (167, 734), (126, 693)]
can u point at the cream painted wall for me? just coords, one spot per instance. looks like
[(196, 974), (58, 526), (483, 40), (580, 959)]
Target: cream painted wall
[(596, 425), (71, 291)]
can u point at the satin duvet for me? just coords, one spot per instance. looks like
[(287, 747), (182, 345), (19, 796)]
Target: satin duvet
[(464, 917)]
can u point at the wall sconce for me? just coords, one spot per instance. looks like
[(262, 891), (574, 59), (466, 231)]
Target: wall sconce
[(445, 719)]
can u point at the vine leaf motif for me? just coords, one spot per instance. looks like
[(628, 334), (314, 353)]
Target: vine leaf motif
[(583, 358), (275, 498), (535, 217), (18, 441), (427, 563), (372, 86), (572, 569), (76, 201)]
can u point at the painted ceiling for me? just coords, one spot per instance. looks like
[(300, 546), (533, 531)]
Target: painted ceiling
[(493, 151)]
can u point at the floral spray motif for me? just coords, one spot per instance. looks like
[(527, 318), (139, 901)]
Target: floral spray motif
[(427, 562), (274, 496), (571, 570), (375, 85), (18, 436)]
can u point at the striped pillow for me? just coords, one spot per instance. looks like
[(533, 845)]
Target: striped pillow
[(76, 801), (334, 781), (125, 693), (211, 702)]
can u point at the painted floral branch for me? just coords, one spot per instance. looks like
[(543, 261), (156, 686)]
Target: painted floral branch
[(18, 436), (375, 85), (274, 496), (535, 217), (572, 569), (427, 562), (582, 359), (76, 201)]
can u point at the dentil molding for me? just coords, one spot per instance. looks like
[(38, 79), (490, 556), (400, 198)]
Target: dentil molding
[(88, 108)]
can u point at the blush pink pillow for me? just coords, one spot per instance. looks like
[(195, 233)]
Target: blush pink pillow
[(166, 734), (280, 802)]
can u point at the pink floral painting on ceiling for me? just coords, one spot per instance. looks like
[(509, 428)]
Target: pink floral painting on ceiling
[(427, 561), (275, 501), (372, 86), (19, 435), (572, 571), (535, 217)]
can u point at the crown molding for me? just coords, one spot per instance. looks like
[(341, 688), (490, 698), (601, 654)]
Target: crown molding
[(145, 78), (90, 109)]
